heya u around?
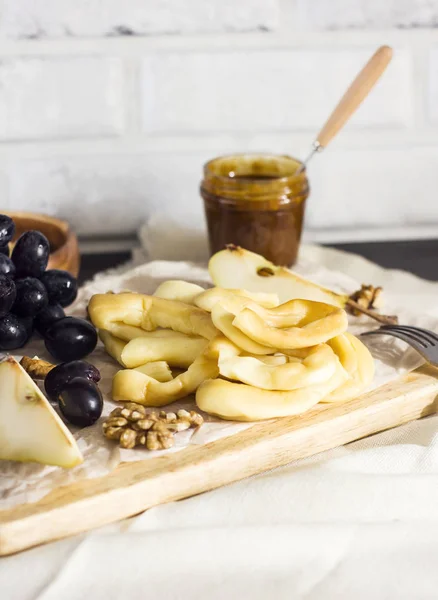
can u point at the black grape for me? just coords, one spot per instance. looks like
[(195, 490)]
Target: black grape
[(61, 287), (58, 377), (8, 294), (7, 267), (31, 297), (31, 254), (14, 332), (70, 339), (47, 316), (80, 402), (7, 230)]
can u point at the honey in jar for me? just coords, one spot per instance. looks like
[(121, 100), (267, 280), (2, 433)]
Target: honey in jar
[(257, 202)]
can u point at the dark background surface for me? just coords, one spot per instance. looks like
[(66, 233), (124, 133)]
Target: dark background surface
[(417, 256)]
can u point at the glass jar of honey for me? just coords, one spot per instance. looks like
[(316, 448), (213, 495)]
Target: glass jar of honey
[(257, 202)]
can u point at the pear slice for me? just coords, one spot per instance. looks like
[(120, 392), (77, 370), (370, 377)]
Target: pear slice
[(235, 267), (175, 289), (30, 430)]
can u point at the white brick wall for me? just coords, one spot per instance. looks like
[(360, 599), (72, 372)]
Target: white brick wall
[(275, 90), (61, 18), (358, 14), (109, 194), (109, 111), (60, 97), (396, 188), (433, 85), (351, 188)]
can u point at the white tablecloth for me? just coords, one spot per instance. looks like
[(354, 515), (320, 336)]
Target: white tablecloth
[(357, 522)]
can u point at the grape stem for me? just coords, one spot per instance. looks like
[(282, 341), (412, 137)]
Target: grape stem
[(385, 319)]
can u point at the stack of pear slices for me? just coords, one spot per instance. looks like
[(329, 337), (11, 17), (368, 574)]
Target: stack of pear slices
[(244, 353), (187, 350)]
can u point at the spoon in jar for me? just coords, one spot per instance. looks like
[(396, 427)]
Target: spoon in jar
[(351, 100)]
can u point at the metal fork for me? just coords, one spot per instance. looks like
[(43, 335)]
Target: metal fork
[(424, 341)]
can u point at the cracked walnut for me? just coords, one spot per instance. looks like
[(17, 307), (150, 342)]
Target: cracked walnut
[(132, 426)]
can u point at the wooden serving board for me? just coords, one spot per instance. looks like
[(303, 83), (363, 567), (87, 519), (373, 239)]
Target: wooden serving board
[(136, 486)]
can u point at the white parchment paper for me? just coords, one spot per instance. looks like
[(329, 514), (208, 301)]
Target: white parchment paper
[(27, 482)]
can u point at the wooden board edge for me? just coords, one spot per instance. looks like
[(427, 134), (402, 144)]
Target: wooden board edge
[(137, 486)]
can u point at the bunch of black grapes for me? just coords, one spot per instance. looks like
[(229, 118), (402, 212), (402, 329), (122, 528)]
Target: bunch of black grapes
[(32, 298)]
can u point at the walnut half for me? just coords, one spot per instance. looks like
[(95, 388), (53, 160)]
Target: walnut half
[(132, 426), (35, 367), (368, 297)]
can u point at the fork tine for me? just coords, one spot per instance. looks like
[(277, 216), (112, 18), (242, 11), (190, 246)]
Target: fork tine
[(416, 335), (412, 334), (428, 335), (398, 334)]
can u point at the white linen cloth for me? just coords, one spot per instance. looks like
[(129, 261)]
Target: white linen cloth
[(357, 522)]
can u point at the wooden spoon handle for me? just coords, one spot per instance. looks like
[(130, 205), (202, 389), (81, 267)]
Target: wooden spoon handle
[(356, 93)]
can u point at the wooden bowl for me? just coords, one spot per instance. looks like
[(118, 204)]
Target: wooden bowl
[(64, 250)]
